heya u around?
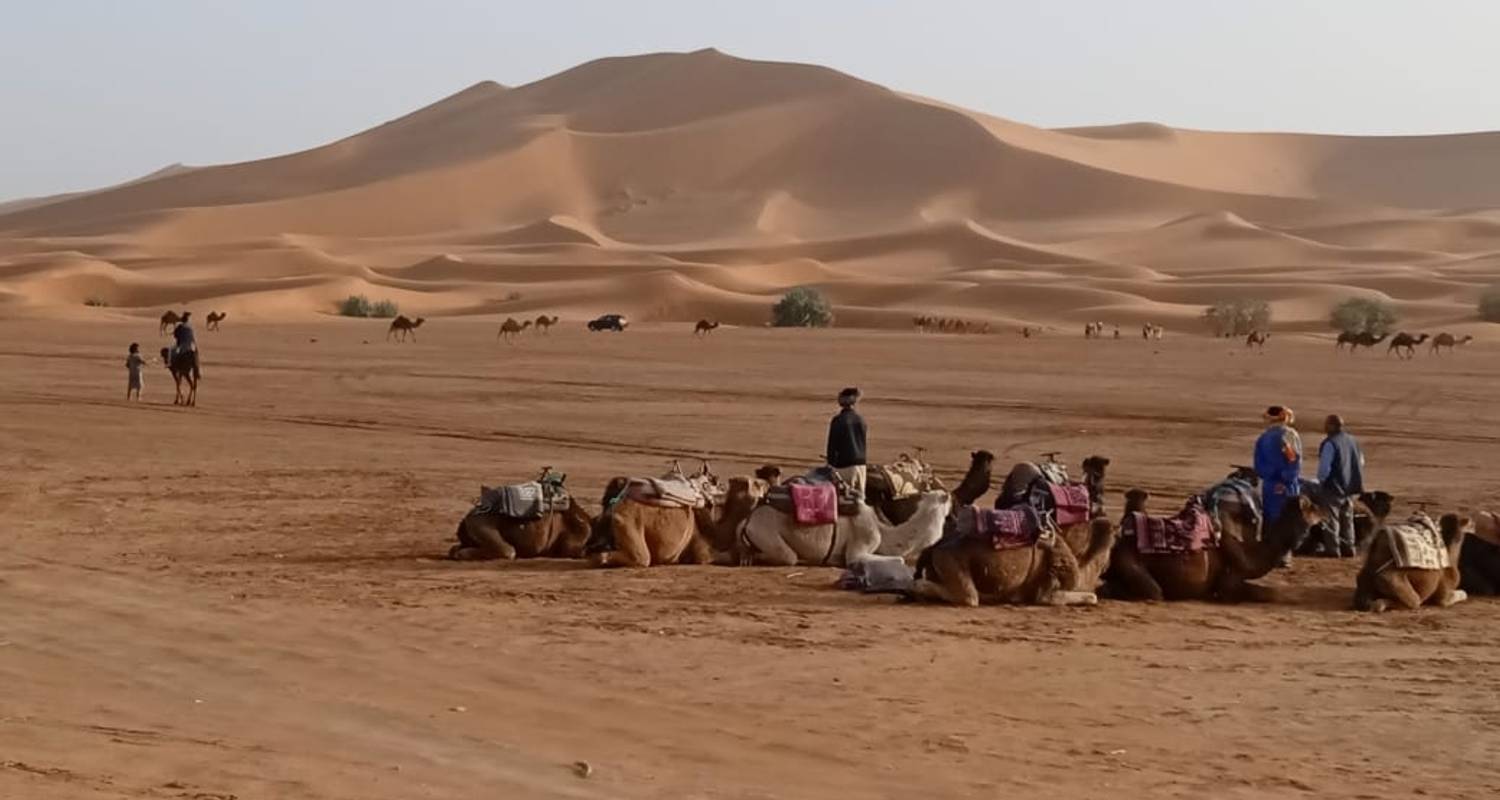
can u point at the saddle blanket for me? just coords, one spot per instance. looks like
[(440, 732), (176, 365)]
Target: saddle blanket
[(1189, 532), (1070, 503), (522, 501), (1417, 544), (1003, 529), (670, 492), (1240, 491), (904, 477), (814, 503)]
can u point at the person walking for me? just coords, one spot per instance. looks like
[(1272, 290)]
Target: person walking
[(1341, 473), (1278, 462), (846, 443)]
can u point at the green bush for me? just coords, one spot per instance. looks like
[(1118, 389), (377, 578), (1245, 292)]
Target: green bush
[(384, 309), (1238, 317), (802, 308), (355, 305), (1364, 315), (1489, 304), (96, 302)]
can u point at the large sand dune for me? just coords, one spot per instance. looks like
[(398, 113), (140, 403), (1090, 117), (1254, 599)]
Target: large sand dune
[(673, 186)]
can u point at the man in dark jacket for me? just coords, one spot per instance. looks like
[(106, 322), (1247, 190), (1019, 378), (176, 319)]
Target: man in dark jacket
[(846, 442), (1341, 468)]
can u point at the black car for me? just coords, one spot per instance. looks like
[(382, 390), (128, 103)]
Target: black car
[(609, 322)]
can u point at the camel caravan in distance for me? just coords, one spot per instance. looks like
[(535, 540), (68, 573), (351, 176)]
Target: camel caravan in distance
[(1047, 540), (932, 324)]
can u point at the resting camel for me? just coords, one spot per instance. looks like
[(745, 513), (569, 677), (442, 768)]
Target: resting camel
[(1382, 585), (704, 327), (1479, 563), (544, 324), (772, 538), (1405, 342), (642, 535), (213, 319), (404, 326), (559, 534), (510, 329), (169, 321), (1214, 573), (1358, 340), (879, 494), (1257, 339), (1447, 340), (720, 525), (184, 368)]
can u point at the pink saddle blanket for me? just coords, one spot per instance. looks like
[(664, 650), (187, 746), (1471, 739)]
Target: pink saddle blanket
[(1007, 528), (1190, 531), (814, 503), (1071, 501)]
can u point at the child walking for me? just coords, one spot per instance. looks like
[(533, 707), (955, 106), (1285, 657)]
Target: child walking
[(135, 364)]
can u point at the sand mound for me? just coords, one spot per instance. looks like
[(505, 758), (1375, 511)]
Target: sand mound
[(678, 185)]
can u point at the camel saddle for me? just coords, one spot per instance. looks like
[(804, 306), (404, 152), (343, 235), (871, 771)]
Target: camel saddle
[(1240, 490), (1417, 544), (672, 491), (813, 499), (525, 501), (1190, 531), (1001, 528), (904, 477)]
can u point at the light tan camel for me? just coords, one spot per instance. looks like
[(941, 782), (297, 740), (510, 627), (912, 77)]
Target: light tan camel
[(404, 326), (544, 324), (772, 538), (704, 327), (631, 533), (510, 329), (1449, 341), (560, 534), (1382, 585), (169, 321)]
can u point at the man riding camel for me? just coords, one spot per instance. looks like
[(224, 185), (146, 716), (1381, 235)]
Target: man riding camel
[(186, 340)]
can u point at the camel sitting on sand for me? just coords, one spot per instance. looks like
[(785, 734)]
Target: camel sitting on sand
[(704, 327), (1398, 574), (213, 319), (404, 326), (1449, 341), (559, 534), (183, 365), (510, 329), (544, 324), (169, 321), (1405, 343), (1479, 562), (634, 533), (771, 537), (1205, 570), (1257, 339)]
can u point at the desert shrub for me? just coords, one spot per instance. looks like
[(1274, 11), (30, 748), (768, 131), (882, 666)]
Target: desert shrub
[(802, 307), (1489, 304), (1238, 317), (96, 302), (1363, 315), (384, 309), (355, 305)]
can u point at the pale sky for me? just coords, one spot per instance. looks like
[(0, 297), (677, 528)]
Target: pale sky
[(97, 91)]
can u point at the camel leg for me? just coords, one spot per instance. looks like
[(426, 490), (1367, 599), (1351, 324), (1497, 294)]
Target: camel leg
[(772, 551), (1126, 568), (480, 541), (1394, 587), (1447, 596), (1062, 578), (697, 551), (630, 547), (954, 584)]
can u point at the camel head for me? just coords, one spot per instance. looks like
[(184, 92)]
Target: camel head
[(769, 473), (1421, 337), (1094, 467), (1466, 339), (418, 322), (1378, 504), (1454, 528), (1244, 473), (981, 460), (613, 489), (1135, 501)]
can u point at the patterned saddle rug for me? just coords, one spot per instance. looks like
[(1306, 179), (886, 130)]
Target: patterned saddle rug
[(1070, 503), (1417, 544), (1240, 491), (1001, 528), (813, 499), (1190, 531), (672, 491), (907, 476), (524, 501)]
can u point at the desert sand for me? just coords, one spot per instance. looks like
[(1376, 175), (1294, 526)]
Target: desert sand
[(248, 599)]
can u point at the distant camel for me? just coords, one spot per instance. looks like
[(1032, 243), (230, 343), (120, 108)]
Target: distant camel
[(1152, 331), (214, 318), (1093, 330), (1446, 340), (544, 324), (169, 321), (404, 326), (1358, 340), (704, 327), (184, 367), (510, 329), (1257, 339), (1026, 332), (1405, 342)]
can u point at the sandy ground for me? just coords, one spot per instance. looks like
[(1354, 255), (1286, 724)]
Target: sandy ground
[(245, 600)]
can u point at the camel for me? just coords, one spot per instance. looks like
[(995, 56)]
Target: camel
[(404, 326), (1257, 339), (644, 535), (1219, 573), (1382, 585), (880, 496), (770, 473), (560, 534), (1405, 342), (1479, 563), (213, 319), (1057, 570), (1449, 341), (704, 327), (1094, 330), (544, 324), (184, 367), (1018, 483), (1357, 340), (169, 321), (510, 329), (771, 538), (977, 480)]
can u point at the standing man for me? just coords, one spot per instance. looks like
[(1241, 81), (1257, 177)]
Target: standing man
[(1341, 471), (846, 442), (1278, 462)]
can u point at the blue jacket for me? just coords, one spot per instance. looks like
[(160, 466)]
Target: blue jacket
[(183, 333), (1278, 458), (1341, 466)]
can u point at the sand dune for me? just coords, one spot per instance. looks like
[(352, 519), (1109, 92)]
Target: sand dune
[(679, 185)]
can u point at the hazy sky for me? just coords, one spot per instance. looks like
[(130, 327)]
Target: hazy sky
[(97, 91)]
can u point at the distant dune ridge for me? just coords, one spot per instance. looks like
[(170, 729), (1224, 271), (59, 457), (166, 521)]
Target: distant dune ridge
[(675, 186)]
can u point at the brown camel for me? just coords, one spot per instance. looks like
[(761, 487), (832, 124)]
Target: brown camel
[(544, 324), (1257, 339), (1357, 340), (770, 473), (1221, 572), (721, 524), (704, 327), (1405, 343), (184, 368), (1382, 584), (631, 533), (213, 319), (404, 326), (1059, 569), (977, 480), (560, 534), (1449, 341), (510, 329), (169, 321)]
